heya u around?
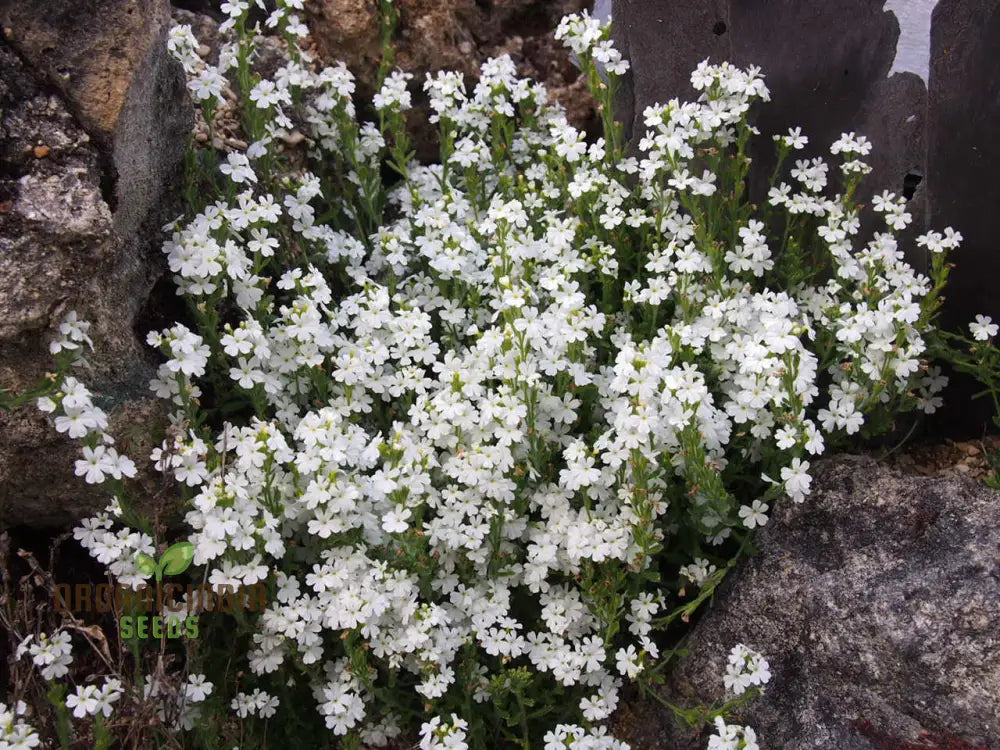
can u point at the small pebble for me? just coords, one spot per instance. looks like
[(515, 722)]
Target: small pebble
[(41, 151), (204, 50)]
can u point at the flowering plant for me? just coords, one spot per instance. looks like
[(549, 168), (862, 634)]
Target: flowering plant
[(979, 357), (483, 427)]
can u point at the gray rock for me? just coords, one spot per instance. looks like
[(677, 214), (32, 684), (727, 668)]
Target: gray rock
[(875, 603), (93, 121), (603, 10)]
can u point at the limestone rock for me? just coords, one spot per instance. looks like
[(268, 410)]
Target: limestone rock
[(875, 603), (93, 120)]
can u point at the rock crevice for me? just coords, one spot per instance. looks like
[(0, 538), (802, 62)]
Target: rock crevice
[(875, 602)]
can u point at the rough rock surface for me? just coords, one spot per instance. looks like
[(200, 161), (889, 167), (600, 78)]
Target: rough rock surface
[(92, 129), (443, 34), (875, 603)]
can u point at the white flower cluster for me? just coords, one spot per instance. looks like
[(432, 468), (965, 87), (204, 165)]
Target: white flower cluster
[(76, 415), (52, 654), (79, 416), (571, 736), (257, 703), (15, 732), (73, 333), (435, 735), (587, 35), (486, 402), (732, 737), (745, 668), (116, 549), (393, 94), (181, 708), (208, 83), (90, 700)]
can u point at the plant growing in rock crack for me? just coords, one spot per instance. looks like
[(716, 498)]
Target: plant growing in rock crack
[(492, 429), (67, 351), (977, 356)]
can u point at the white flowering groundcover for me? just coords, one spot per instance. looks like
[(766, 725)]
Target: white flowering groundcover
[(486, 427)]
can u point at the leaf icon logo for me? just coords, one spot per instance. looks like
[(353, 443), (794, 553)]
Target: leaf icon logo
[(175, 560)]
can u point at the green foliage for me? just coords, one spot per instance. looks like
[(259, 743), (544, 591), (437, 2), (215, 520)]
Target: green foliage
[(492, 430)]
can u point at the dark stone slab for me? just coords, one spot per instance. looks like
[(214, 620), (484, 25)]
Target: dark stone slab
[(665, 41), (826, 65), (828, 68), (963, 168)]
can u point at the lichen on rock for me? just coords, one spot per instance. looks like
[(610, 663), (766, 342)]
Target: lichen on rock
[(876, 602), (94, 119)]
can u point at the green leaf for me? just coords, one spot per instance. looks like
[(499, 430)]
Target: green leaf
[(146, 564), (177, 558)]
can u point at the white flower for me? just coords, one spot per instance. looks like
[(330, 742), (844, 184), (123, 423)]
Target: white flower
[(628, 661), (109, 693), (197, 688), (983, 328), (794, 139), (395, 521), (237, 168), (754, 515), (93, 465), (796, 479), (698, 571)]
